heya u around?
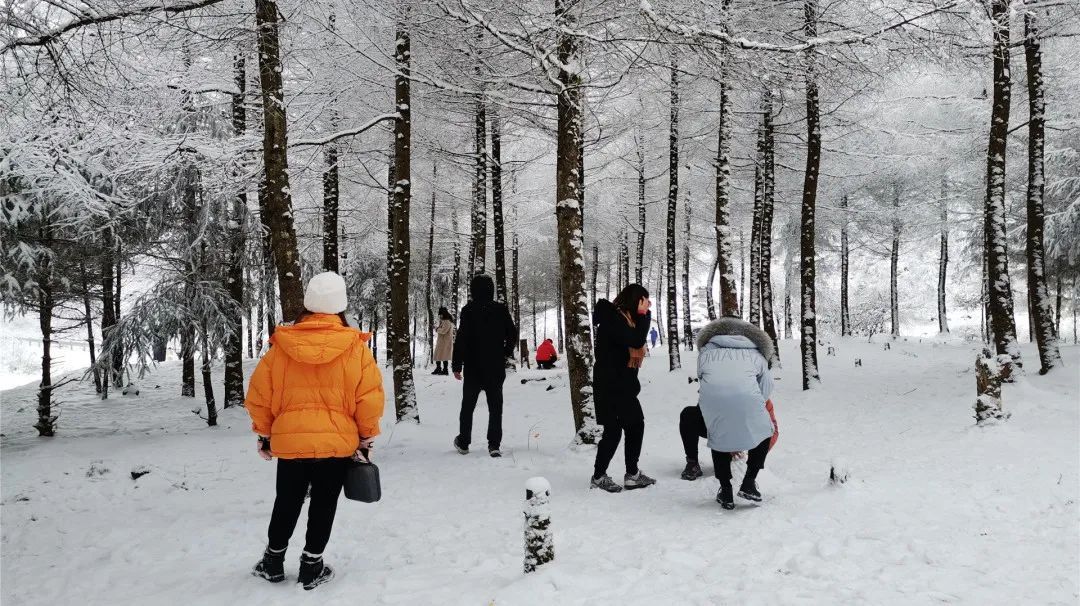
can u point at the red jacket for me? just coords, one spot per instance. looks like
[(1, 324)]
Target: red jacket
[(546, 352)]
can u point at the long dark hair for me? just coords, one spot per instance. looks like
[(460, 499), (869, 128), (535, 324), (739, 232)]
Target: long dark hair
[(629, 298), (445, 314), (304, 314)]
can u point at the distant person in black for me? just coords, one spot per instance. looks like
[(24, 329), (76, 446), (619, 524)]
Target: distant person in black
[(621, 328), (486, 337)]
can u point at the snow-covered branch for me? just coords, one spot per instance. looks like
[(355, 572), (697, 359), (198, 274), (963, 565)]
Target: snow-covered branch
[(350, 132)]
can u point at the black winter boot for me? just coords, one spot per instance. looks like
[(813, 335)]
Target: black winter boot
[(271, 567), (748, 490), (692, 471), (724, 496), (313, 572)]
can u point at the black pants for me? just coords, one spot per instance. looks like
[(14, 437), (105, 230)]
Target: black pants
[(442, 367), (692, 428), (491, 384), (546, 364), (325, 476), (609, 442)]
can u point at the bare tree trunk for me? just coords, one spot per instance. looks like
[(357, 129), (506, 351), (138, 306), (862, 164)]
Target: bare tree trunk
[(428, 305), (768, 183), (88, 318), (755, 231), (595, 271), (391, 178), (248, 290), (536, 343), (1001, 323), (108, 309), (275, 159), (688, 329), (659, 297), (497, 207), (894, 265), (515, 282), (559, 319), (845, 317), (640, 267), (46, 422), (478, 248), (1041, 309), (729, 295), (742, 271), (943, 258), (710, 303), (234, 277), (808, 342), (207, 379), (568, 215), (404, 388), (672, 213), (118, 361), (455, 278)]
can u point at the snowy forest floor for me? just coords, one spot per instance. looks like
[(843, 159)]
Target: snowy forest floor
[(936, 510)]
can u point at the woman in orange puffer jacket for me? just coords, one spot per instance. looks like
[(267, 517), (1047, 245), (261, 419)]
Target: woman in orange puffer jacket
[(315, 400)]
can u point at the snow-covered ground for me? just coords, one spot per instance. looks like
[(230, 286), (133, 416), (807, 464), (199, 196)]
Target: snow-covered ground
[(936, 510)]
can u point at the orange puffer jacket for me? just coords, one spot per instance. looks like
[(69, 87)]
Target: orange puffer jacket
[(316, 391)]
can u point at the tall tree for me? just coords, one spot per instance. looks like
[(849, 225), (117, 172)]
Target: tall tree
[(729, 293), (568, 216), (943, 257), (278, 218), (672, 214), (639, 274), (688, 329), (330, 178), (478, 239), (894, 264), (1041, 308), (428, 284), (234, 276), (768, 187), (497, 205), (845, 317), (755, 230), (808, 336), (1001, 323), (404, 387)]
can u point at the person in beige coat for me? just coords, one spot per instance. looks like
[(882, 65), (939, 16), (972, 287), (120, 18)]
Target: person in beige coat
[(444, 342)]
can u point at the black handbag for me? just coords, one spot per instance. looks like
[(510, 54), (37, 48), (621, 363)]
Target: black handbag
[(362, 482)]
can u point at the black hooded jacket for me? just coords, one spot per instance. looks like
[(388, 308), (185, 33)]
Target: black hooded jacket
[(486, 334), (615, 384)]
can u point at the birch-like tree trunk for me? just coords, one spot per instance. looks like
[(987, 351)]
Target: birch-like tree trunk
[(497, 206), (275, 160), (595, 271), (710, 303), (404, 388), (845, 316), (768, 187), (639, 274), (894, 265), (943, 257), (688, 329), (478, 225), (808, 336), (428, 284), (568, 216), (729, 293), (46, 303), (391, 195), (1041, 308), (455, 277), (672, 214), (755, 230), (1001, 323), (234, 277)]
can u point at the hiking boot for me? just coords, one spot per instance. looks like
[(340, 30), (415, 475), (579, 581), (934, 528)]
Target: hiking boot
[(724, 496), (638, 480), (495, 452), (271, 567), (461, 449), (749, 491), (605, 483), (313, 572), (692, 471)]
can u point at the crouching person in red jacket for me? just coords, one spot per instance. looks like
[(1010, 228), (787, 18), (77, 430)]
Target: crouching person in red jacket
[(546, 355)]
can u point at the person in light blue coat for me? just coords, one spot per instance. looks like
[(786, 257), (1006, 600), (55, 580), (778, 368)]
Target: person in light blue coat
[(735, 383)]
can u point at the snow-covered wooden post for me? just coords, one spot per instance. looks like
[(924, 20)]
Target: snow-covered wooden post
[(539, 546), (990, 371)]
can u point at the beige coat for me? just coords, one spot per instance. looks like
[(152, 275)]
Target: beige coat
[(444, 342)]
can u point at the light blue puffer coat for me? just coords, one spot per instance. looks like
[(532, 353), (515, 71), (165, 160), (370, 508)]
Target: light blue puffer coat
[(734, 382)]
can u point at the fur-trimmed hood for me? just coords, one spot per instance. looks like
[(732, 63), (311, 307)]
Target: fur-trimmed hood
[(737, 327)]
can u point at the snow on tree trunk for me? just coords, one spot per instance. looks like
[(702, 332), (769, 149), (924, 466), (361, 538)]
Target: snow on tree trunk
[(729, 293), (1041, 309), (641, 207), (515, 283), (688, 329), (894, 265), (118, 359), (1001, 322), (990, 372), (478, 225), (207, 379), (595, 271), (755, 230), (497, 207), (560, 343), (391, 177), (275, 160), (808, 336), (234, 276), (404, 388), (539, 544), (568, 216), (845, 317), (428, 284), (46, 421), (672, 213), (710, 303), (108, 309), (455, 277), (943, 258), (768, 183), (88, 319)]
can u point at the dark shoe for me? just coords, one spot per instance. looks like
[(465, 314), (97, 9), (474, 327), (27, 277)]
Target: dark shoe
[(605, 483), (313, 572), (638, 480), (495, 452), (724, 496), (461, 449), (692, 471), (749, 491), (271, 567)]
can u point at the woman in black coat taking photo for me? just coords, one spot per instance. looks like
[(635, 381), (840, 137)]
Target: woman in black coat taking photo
[(621, 329)]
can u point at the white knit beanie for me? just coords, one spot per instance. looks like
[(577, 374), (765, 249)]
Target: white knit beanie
[(325, 294)]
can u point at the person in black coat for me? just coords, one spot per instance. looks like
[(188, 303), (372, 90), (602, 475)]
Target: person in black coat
[(486, 337), (621, 329)]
